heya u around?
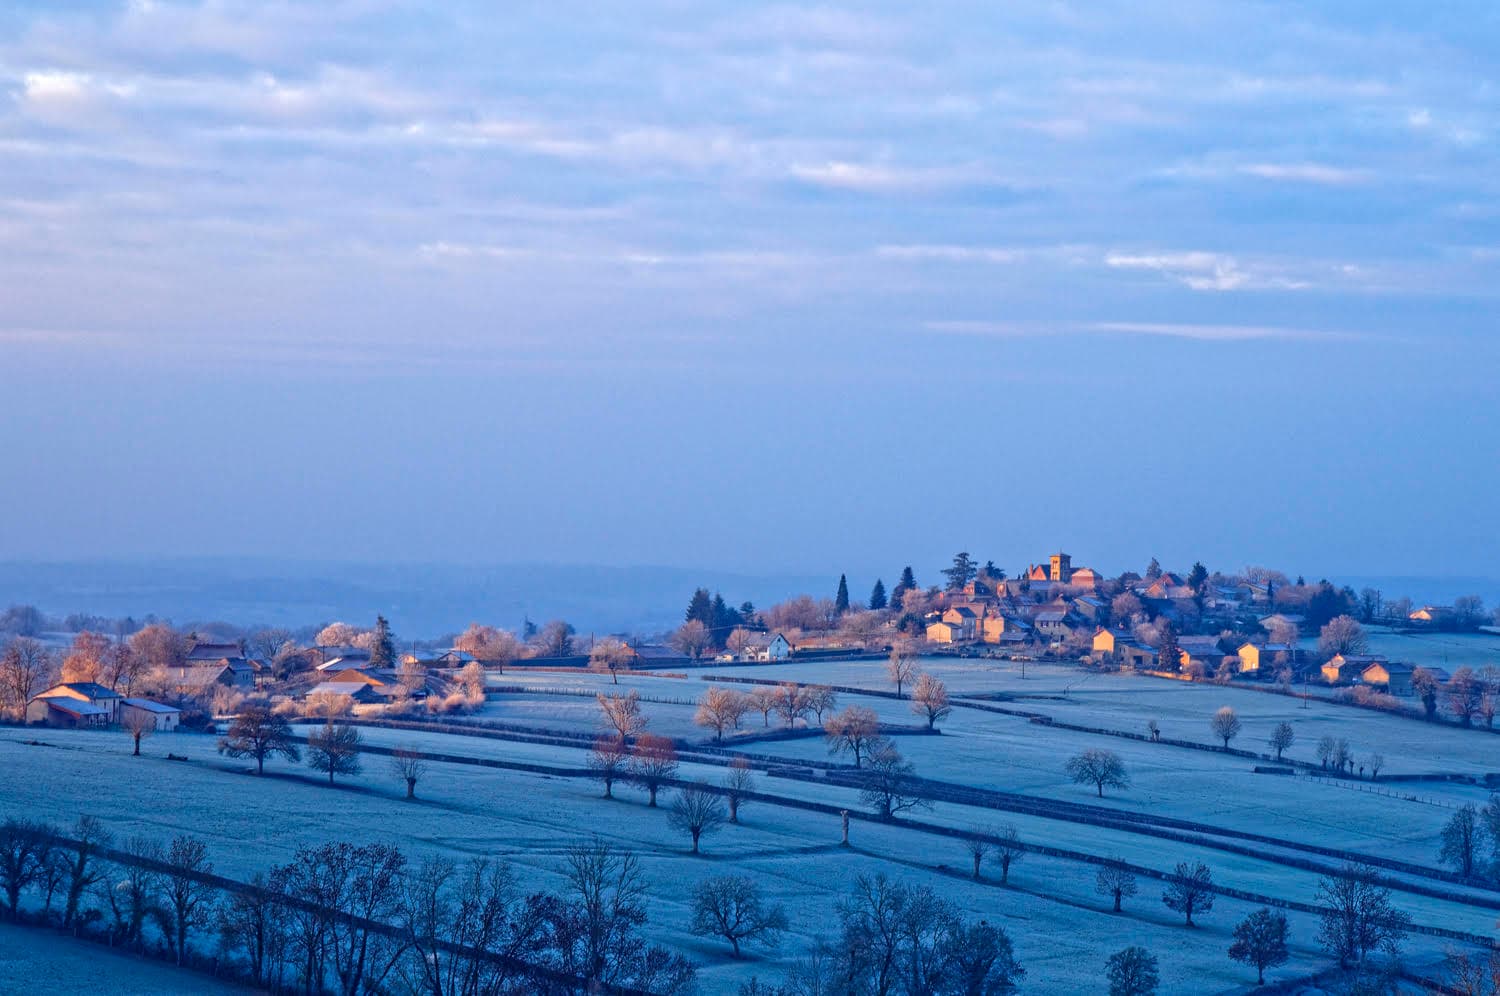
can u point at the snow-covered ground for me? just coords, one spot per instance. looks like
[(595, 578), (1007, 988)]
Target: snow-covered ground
[(44, 963), (1060, 927)]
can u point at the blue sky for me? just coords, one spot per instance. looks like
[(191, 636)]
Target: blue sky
[(764, 287)]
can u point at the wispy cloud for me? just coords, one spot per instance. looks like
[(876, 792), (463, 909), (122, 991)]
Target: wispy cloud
[(1207, 271), (1170, 330)]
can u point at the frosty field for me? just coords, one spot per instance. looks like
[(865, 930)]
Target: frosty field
[(1062, 930)]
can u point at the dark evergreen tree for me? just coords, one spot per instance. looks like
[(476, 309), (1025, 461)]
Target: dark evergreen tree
[(1153, 570), (962, 571), (1197, 577), (383, 646), (725, 620), (877, 596), (701, 608), (528, 629), (907, 583), (1168, 654), (748, 615), (841, 600), (1325, 604)]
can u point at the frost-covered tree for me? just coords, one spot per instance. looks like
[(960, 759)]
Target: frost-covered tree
[(653, 763), (720, 709), (1358, 917), (887, 787), (1226, 725), (1189, 890), (1132, 971), (855, 731), (1099, 768), (733, 907), (334, 749), (259, 733), (408, 765), (1116, 880), (1282, 738), (609, 761), (1260, 940), (622, 714), (738, 783), (696, 811), (929, 699), (1461, 840)]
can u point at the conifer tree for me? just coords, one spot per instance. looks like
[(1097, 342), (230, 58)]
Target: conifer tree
[(1168, 654), (701, 608), (877, 596), (907, 583), (962, 571), (382, 647), (841, 600)]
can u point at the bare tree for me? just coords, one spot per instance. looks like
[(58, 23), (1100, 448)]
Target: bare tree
[(334, 749), (1008, 850), (159, 646), (555, 639), (1375, 762), (85, 659), (412, 675), (1116, 880), (1282, 738), (1465, 695), (1189, 890), (978, 845), (791, 703), (821, 699), (887, 788), (1342, 635), (1425, 684), (696, 811), (85, 869), (901, 669), (739, 641), (1461, 840), (610, 896), (609, 762), (622, 713), (611, 655), (1226, 725), (259, 733), (1358, 917), (653, 763), (22, 844), (855, 730), (738, 782), (1260, 940), (692, 638), (763, 701), (732, 907), (189, 900), (140, 724), (26, 668), (720, 709), (1327, 747), (1099, 768), (409, 766), (929, 699)]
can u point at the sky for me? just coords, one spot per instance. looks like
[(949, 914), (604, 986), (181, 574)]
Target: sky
[(762, 287)]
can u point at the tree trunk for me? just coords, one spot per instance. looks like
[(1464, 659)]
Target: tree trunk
[(137, 745), (260, 764), (695, 841), (1101, 790), (976, 865), (1117, 900), (330, 774), (735, 943), (411, 788), (734, 809), (652, 790)]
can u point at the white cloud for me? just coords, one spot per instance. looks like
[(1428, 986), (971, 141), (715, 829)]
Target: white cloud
[(880, 179), (1206, 271), (953, 254), (1305, 173), (1170, 330)]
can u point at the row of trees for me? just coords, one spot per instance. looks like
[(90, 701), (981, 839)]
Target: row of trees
[(350, 918)]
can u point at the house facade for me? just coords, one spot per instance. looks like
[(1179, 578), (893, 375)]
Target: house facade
[(164, 718)]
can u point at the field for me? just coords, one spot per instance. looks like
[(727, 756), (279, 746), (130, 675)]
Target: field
[(1062, 930), (42, 963)]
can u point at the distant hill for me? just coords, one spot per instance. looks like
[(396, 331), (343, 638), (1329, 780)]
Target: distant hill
[(421, 600)]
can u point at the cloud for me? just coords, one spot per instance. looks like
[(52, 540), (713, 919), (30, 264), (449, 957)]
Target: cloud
[(1305, 173), (953, 254), (880, 179), (1170, 330), (1206, 271)]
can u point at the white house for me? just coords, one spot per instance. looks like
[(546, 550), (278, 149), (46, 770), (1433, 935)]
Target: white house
[(779, 649), (165, 718)]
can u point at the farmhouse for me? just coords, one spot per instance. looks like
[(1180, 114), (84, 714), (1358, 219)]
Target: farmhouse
[(360, 692), (1393, 676), (1433, 615), (164, 718), (779, 649), (75, 703), (1254, 657), (1343, 667), (1202, 650), (945, 632)]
